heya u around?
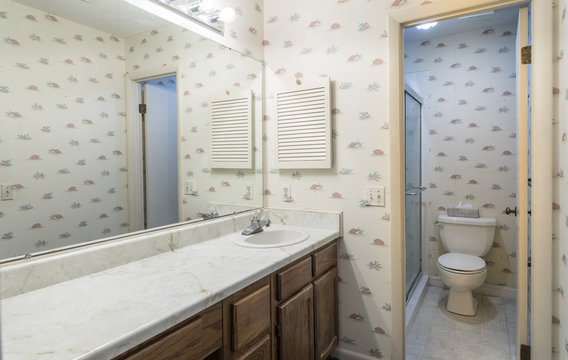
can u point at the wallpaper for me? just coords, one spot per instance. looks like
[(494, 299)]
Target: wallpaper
[(62, 144), (345, 42), (560, 183), (209, 70), (467, 82)]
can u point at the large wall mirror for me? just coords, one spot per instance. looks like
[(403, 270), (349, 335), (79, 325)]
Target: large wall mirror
[(78, 162)]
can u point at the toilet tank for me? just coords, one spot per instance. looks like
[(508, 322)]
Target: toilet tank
[(473, 236)]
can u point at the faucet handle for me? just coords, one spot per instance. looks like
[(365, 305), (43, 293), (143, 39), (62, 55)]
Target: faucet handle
[(256, 216)]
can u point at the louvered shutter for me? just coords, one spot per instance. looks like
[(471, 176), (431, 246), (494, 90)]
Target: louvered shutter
[(304, 127), (231, 133)]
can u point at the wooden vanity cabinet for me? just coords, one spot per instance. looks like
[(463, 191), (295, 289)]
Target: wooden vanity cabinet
[(291, 314), (193, 339), (307, 321)]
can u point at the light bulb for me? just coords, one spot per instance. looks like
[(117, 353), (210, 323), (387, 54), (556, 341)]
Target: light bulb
[(227, 15), (427, 26), (207, 6)]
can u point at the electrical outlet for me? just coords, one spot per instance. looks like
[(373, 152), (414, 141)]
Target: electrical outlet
[(375, 195), (7, 192), (189, 187), (286, 193)]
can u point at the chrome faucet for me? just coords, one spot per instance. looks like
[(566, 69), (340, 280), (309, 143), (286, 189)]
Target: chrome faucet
[(256, 223), (205, 216)]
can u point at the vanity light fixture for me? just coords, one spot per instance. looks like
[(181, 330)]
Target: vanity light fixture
[(199, 16), (227, 15), (427, 26)]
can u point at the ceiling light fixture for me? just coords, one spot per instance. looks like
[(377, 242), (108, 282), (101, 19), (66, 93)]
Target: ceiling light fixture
[(427, 26)]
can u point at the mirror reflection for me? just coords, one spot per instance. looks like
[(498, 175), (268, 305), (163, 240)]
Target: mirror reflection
[(78, 161)]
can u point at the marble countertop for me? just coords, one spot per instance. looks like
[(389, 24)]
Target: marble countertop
[(101, 315)]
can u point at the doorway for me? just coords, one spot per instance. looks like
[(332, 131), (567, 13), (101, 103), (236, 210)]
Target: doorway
[(465, 70), (159, 143)]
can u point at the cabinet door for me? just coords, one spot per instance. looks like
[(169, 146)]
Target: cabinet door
[(296, 326), (325, 313)]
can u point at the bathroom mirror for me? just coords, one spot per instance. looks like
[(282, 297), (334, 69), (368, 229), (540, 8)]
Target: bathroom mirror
[(78, 162)]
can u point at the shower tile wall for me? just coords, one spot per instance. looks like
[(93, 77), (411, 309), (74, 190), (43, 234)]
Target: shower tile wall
[(467, 81), (62, 143)]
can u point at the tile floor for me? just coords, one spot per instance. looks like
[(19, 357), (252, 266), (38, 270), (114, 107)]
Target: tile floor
[(436, 333)]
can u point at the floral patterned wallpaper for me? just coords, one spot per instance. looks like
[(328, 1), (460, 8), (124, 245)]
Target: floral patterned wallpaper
[(560, 182), (467, 82), (208, 71), (63, 147), (345, 41), (62, 144)]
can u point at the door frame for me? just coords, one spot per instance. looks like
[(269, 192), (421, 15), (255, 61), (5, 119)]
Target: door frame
[(541, 148), (133, 143)]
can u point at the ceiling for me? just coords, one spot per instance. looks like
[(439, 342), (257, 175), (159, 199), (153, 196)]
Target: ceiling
[(112, 16), (456, 25)]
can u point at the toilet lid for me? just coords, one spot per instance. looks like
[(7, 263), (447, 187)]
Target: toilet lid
[(462, 262)]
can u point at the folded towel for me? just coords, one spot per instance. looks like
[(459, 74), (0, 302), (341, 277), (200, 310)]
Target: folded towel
[(463, 212)]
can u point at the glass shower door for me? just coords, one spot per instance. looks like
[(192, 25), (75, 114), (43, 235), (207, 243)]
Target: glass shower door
[(413, 194)]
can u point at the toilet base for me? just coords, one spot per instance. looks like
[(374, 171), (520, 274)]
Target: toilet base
[(462, 302)]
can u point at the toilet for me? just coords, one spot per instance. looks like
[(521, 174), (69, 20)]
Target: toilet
[(462, 269)]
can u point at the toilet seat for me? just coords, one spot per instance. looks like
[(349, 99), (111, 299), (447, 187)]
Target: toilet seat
[(462, 264)]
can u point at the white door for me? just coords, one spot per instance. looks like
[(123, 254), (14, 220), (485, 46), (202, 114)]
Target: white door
[(523, 186), (161, 151)]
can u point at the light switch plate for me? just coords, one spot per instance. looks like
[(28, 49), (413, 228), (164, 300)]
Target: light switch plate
[(286, 193), (375, 196), (7, 192), (189, 187), (249, 192)]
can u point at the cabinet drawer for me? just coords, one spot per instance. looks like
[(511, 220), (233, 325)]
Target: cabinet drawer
[(293, 278), (260, 351), (250, 319), (324, 259), (183, 344), (192, 339)]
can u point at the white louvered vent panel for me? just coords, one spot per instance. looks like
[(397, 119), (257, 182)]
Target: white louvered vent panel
[(304, 128), (231, 133)]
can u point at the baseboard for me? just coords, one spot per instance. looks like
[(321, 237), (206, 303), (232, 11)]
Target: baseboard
[(343, 354), (506, 292)]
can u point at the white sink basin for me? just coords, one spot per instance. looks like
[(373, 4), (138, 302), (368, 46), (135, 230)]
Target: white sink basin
[(270, 238)]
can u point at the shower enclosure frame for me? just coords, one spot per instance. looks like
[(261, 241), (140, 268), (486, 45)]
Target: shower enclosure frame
[(414, 191)]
